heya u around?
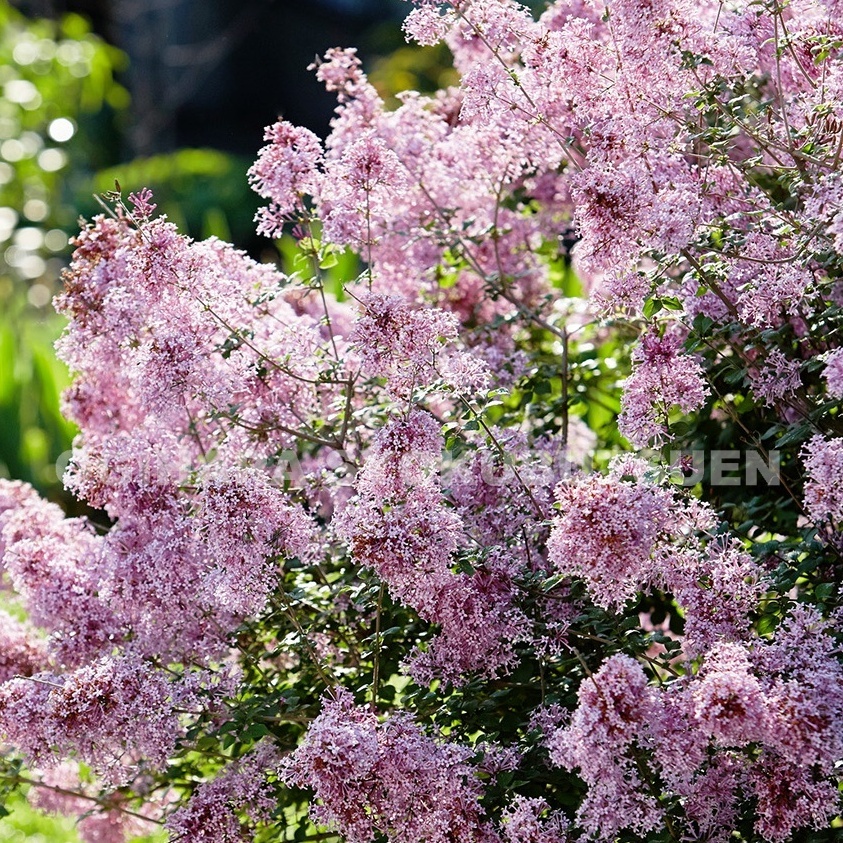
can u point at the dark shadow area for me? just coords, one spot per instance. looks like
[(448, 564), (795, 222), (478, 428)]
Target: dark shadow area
[(215, 72)]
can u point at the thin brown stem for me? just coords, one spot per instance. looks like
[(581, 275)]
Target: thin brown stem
[(104, 802), (376, 659)]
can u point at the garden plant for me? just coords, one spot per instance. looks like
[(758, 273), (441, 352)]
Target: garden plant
[(512, 514)]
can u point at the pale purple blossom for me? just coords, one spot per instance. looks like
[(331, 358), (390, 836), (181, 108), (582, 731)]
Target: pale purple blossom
[(530, 820), (427, 25), (606, 532), (728, 701), (833, 373), (615, 707), (823, 460), (215, 810), (776, 379), (115, 714), (662, 378), (285, 173), (371, 776)]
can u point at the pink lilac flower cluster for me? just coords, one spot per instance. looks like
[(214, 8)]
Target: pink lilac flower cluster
[(718, 584), (284, 173), (833, 373), (607, 530), (705, 733), (406, 346), (662, 378), (776, 378), (117, 715), (22, 652), (52, 564), (610, 723), (823, 459), (606, 533), (248, 523), (624, 533), (503, 496), (532, 821), (370, 776), (400, 525), (527, 74), (216, 807)]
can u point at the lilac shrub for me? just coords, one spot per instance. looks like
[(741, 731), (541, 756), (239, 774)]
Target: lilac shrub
[(374, 559)]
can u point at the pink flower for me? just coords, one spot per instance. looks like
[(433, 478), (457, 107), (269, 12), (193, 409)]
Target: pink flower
[(524, 821), (606, 533), (22, 651), (718, 586), (615, 707), (372, 777), (776, 379), (245, 524), (115, 714), (401, 342), (214, 811), (412, 347), (400, 525), (285, 173), (833, 373), (426, 25), (340, 71), (53, 563), (728, 700), (662, 378), (356, 192), (142, 204), (791, 796), (823, 459)]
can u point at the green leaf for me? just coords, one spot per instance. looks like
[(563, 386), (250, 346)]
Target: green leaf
[(257, 730), (824, 590), (795, 435)]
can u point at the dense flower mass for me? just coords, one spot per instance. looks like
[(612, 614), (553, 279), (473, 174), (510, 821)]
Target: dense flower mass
[(371, 777), (114, 714), (399, 524), (615, 707), (367, 554), (215, 808), (824, 485), (606, 533), (663, 378)]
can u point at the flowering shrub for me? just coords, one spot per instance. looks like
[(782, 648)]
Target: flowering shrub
[(359, 581)]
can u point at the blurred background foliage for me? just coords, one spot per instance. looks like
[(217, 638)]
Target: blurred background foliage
[(23, 825)]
